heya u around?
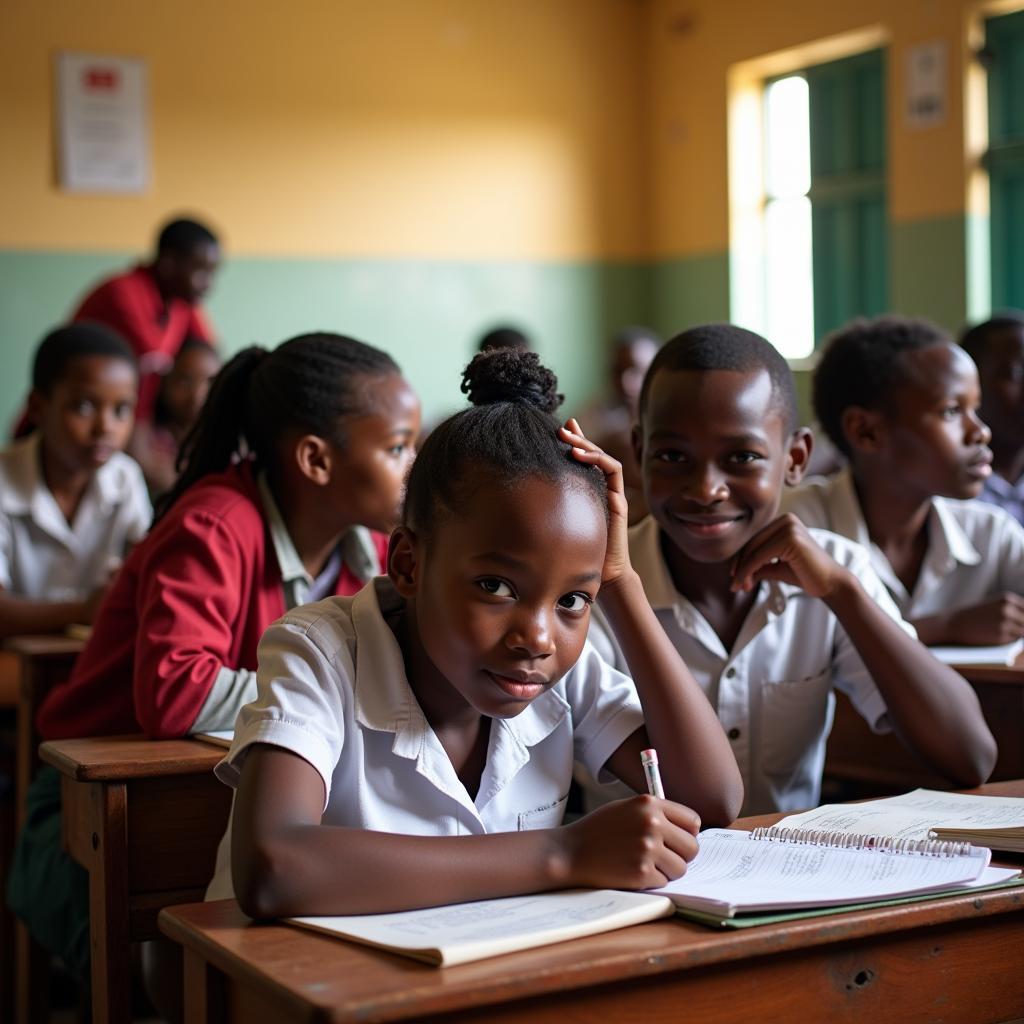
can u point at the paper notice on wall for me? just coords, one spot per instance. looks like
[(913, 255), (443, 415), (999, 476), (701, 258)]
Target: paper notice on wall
[(926, 84), (102, 123)]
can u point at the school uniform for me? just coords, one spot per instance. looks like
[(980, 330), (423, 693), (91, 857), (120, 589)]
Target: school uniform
[(173, 649), (1008, 496), (43, 557), (773, 692), (975, 551), (333, 689), (130, 303)]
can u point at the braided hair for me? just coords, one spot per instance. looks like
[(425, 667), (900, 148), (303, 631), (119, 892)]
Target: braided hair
[(509, 434), (310, 383)]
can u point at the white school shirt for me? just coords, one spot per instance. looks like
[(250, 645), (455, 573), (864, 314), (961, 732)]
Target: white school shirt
[(773, 691), (975, 550), (333, 689), (42, 556)]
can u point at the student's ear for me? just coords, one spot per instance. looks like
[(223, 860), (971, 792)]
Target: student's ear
[(801, 444), (403, 561), (36, 406), (636, 439), (864, 429), (313, 456)]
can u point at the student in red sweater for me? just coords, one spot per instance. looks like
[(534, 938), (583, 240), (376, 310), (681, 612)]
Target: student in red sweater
[(295, 471), (155, 306)]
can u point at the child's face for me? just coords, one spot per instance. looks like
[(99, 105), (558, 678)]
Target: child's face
[(185, 387), (934, 442), (502, 593), (368, 472), (1002, 386), (714, 452), (88, 414)]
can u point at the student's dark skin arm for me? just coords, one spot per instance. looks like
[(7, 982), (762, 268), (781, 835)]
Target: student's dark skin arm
[(697, 764), (19, 615), (999, 620), (933, 709), (284, 862)]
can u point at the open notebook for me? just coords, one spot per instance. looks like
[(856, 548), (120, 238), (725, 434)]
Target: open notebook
[(1000, 654)]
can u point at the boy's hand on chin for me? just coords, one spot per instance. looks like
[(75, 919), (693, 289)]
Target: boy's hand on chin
[(786, 552)]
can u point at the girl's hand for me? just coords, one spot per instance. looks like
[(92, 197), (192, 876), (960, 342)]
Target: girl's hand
[(616, 559), (639, 843), (786, 552)]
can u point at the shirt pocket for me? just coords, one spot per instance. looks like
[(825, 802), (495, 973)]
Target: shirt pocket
[(796, 718), (548, 816)]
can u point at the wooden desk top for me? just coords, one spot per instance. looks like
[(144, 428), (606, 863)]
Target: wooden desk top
[(326, 979), (119, 758), (43, 645), (1010, 675)]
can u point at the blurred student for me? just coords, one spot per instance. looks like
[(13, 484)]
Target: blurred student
[(997, 347), (155, 306), (71, 503), (769, 616), (329, 425), (155, 444), (901, 400), (504, 337)]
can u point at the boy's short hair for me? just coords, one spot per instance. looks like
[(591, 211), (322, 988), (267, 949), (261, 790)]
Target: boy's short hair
[(726, 347), (75, 341), (862, 365), (181, 236), (975, 340)]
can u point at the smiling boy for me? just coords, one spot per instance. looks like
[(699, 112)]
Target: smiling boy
[(901, 401), (768, 615)]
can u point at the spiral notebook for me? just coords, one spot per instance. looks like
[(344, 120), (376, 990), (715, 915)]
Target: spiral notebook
[(777, 868)]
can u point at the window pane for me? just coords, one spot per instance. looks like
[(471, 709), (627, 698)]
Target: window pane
[(789, 289), (787, 138)]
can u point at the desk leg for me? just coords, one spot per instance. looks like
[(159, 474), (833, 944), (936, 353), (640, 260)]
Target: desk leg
[(205, 994), (95, 817)]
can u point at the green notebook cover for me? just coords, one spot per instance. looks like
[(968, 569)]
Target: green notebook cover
[(779, 917)]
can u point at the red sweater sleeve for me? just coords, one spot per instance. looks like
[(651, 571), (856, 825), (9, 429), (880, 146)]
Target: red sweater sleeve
[(195, 590)]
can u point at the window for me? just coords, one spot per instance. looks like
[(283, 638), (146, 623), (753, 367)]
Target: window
[(1004, 46)]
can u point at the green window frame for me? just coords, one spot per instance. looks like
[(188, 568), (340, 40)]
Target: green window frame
[(1004, 57)]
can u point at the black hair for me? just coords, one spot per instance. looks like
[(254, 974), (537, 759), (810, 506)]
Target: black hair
[(75, 341), (309, 383), (975, 339), (726, 347), (862, 364), (504, 337), (509, 434), (181, 236), (191, 343)]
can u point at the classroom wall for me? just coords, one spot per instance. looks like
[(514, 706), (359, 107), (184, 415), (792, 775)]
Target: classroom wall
[(692, 46), (410, 171)]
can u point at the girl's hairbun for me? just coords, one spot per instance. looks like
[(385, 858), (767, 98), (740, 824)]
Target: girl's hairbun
[(511, 375)]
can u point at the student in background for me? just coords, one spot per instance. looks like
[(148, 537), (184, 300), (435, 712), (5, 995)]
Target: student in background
[(330, 426), (445, 702), (71, 503), (504, 337), (769, 616), (900, 399), (155, 444), (155, 306), (997, 347)]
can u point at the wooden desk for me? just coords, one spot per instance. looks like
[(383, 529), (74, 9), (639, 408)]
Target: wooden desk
[(866, 764), (956, 958), (144, 818)]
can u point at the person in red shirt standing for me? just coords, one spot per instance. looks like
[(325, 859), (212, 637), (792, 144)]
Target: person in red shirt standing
[(155, 306)]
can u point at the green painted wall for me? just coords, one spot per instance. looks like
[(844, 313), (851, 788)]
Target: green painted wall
[(689, 290), (426, 314), (928, 269)]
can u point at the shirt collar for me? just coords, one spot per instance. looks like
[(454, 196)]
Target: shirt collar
[(947, 539), (384, 700), (845, 516)]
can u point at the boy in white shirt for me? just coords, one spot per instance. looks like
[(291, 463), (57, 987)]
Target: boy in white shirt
[(901, 401), (770, 616), (71, 502)]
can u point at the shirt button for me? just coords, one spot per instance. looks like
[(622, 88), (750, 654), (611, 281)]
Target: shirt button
[(730, 673), (733, 733)]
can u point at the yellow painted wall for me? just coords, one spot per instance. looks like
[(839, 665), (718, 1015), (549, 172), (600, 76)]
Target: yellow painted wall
[(399, 128), (693, 43)]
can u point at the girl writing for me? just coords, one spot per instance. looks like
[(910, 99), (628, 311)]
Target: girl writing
[(414, 745)]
